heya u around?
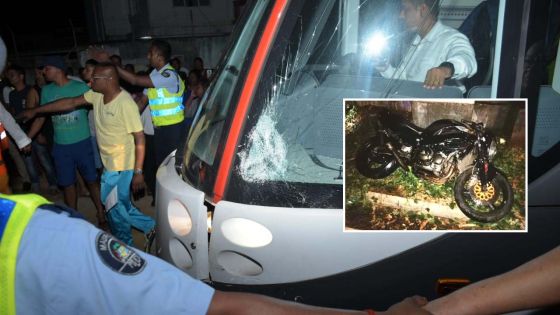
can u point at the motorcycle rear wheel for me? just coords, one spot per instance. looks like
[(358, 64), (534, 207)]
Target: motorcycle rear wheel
[(374, 160), (484, 205)]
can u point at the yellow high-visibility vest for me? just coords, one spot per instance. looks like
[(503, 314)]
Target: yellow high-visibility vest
[(15, 213), (167, 108)]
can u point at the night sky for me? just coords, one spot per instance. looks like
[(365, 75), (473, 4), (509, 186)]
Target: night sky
[(43, 25)]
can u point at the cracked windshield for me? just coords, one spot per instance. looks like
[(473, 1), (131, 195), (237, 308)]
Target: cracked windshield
[(326, 51)]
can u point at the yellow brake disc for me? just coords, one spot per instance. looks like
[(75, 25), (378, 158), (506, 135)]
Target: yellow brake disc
[(484, 195)]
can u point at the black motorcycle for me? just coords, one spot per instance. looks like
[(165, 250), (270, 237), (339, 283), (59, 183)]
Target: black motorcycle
[(438, 153)]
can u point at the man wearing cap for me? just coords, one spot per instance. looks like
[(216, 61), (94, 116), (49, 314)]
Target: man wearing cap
[(72, 145)]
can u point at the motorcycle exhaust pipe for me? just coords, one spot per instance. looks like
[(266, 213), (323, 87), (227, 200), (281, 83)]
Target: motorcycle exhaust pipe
[(392, 149)]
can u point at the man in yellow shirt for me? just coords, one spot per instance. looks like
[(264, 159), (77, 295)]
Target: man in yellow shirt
[(121, 144)]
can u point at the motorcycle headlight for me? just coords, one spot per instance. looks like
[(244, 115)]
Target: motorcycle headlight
[(492, 149)]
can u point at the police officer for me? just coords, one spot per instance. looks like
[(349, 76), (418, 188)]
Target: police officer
[(163, 93), (54, 262)]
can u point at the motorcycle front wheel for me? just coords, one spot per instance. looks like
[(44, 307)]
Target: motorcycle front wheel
[(374, 160), (484, 205)]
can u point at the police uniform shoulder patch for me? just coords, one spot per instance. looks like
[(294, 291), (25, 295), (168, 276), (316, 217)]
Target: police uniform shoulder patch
[(165, 73), (117, 255)]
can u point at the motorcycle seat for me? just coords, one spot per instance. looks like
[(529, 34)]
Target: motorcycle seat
[(412, 127)]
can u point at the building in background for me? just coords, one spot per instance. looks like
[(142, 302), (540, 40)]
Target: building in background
[(193, 27)]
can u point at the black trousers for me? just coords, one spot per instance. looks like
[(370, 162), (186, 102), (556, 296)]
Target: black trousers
[(150, 164), (166, 139)]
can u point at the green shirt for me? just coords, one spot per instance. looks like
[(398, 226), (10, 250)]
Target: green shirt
[(71, 127)]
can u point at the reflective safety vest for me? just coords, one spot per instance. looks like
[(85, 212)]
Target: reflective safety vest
[(167, 108), (15, 213)]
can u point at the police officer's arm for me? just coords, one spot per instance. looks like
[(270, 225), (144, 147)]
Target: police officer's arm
[(139, 151), (61, 105), (134, 79), (244, 303), (532, 285)]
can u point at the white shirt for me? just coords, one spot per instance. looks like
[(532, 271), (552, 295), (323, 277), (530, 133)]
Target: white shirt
[(147, 123), (441, 44), (185, 70), (164, 78), (6, 94), (13, 128)]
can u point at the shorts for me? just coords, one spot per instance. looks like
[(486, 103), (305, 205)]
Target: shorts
[(69, 157)]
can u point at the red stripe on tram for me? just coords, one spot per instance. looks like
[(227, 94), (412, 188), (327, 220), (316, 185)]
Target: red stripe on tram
[(245, 99)]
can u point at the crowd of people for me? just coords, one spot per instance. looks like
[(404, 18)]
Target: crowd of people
[(95, 147)]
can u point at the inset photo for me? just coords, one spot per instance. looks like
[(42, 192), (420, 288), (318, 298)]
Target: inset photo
[(428, 165)]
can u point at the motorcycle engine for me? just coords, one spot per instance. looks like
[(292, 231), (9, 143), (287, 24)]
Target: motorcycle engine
[(405, 150), (436, 165), (425, 155)]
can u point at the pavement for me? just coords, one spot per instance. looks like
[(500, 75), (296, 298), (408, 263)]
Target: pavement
[(87, 208)]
